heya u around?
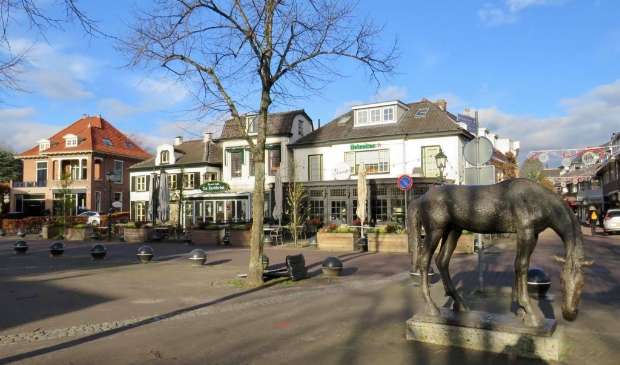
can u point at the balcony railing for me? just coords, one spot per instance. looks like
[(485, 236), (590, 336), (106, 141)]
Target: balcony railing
[(29, 184)]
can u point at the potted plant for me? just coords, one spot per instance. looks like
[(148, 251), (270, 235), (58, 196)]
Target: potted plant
[(338, 238), (390, 238), (241, 235), (315, 224), (137, 232), (206, 233), (78, 232)]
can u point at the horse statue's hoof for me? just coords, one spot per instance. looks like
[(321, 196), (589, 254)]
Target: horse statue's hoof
[(432, 310), (529, 320), (460, 307)]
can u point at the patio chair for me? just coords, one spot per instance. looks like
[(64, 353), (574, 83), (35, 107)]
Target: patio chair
[(277, 234)]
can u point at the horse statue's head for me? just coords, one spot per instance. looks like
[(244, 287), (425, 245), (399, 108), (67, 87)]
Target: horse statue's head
[(572, 282)]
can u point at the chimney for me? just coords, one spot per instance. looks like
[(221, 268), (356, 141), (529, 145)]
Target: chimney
[(178, 140), (442, 104), (207, 137), (319, 124)]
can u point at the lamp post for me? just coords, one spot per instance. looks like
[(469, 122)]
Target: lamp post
[(154, 197), (441, 159), (110, 179)]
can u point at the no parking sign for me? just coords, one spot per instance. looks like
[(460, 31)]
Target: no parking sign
[(405, 182)]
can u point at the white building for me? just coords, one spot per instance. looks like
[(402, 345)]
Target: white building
[(392, 139)]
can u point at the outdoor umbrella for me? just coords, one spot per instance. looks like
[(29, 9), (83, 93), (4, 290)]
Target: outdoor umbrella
[(163, 210), (277, 210), (362, 192), (149, 212), (592, 207)]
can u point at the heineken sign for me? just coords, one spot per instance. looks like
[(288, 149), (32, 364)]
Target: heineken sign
[(214, 187), (365, 146)]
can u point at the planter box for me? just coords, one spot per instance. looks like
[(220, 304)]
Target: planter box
[(338, 241), (465, 244), (241, 238), (50, 232), (388, 242), (78, 234), (211, 238), (137, 234)]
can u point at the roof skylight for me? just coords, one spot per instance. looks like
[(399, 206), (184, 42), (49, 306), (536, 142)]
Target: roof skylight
[(128, 144), (107, 142), (421, 112)]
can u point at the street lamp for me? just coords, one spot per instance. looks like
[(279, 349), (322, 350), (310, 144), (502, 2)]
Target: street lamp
[(441, 160), (154, 197), (110, 179)]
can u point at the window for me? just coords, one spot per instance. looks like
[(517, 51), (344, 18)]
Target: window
[(209, 176), (172, 181), (41, 171), (235, 164), (107, 142), (300, 127), (316, 168), (97, 171), (118, 196), (44, 146), (252, 172), (140, 212), (98, 201), (164, 157), (339, 211), (429, 162), (361, 117), (72, 142), (421, 112), (594, 184), (316, 209), (188, 181), (118, 171), (141, 183), (252, 124), (375, 116), (84, 174), (128, 144), (274, 161), (378, 210), (376, 161), (74, 168)]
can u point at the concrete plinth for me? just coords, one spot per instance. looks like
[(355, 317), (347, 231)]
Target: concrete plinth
[(488, 332)]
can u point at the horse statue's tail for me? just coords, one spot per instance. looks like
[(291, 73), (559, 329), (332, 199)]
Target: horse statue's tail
[(415, 232)]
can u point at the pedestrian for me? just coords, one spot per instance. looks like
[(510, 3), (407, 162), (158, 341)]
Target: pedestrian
[(592, 219)]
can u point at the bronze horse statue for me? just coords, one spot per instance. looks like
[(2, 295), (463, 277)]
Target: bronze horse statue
[(518, 206)]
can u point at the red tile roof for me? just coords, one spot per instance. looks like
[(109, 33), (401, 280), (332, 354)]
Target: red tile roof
[(90, 132)]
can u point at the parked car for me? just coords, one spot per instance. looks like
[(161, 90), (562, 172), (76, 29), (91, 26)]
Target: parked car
[(611, 222), (94, 218)]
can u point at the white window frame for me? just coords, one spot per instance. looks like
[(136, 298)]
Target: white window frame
[(172, 181), (236, 163), (43, 146), (382, 159), (164, 156), (252, 124), (374, 116), (141, 183), (118, 171), (188, 181), (429, 164), (206, 175), (71, 142), (300, 126), (361, 117), (140, 211), (312, 172)]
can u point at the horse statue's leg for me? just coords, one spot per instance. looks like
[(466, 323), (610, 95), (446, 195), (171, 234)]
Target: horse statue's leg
[(425, 255), (443, 261), (526, 241)]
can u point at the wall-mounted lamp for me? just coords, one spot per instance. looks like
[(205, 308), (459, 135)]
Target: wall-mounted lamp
[(441, 161)]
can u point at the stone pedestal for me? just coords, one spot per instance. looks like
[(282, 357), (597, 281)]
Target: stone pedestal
[(488, 332)]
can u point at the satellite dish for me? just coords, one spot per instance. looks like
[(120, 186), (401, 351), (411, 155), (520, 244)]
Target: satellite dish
[(543, 157)]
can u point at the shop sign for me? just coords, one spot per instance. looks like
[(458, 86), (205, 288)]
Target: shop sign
[(214, 187), (365, 146)]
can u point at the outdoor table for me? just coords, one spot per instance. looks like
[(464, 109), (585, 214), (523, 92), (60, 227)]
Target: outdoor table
[(164, 231)]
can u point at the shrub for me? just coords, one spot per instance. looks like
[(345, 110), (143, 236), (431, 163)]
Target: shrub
[(357, 222), (212, 227), (329, 229), (316, 221), (80, 225), (239, 227), (131, 225), (392, 228)]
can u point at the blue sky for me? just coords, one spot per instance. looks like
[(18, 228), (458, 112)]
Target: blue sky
[(542, 72)]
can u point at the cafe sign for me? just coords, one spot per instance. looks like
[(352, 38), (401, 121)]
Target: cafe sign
[(364, 146), (214, 187)]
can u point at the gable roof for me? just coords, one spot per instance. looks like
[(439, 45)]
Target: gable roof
[(277, 124), (90, 132), (435, 121), (194, 152)]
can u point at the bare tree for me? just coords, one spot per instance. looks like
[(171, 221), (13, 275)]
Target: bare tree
[(40, 19), (297, 207), (240, 56)]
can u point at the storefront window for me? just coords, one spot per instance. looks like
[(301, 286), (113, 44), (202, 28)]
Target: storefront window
[(317, 209), (379, 210), (339, 211), (209, 212)]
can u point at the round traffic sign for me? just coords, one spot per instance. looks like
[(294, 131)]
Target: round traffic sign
[(404, 182), (478, 151)]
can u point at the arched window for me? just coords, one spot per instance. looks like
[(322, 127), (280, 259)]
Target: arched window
[(165, 157)]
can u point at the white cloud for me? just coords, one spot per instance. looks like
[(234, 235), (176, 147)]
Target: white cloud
[(390, 93), (492, 15), (346, 107), (21, 134), (590, 120)]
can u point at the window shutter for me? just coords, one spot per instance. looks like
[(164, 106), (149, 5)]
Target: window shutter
[(147, 179), (133, 185), (242, 157), (132, 211), (179, 181), (146, 210), (196, 180)]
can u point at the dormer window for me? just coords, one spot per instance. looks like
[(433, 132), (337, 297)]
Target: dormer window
[(164, 157), (300, 127), (71, 140), (378, 113), (43, 144), (252, 124), (107, 142)]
